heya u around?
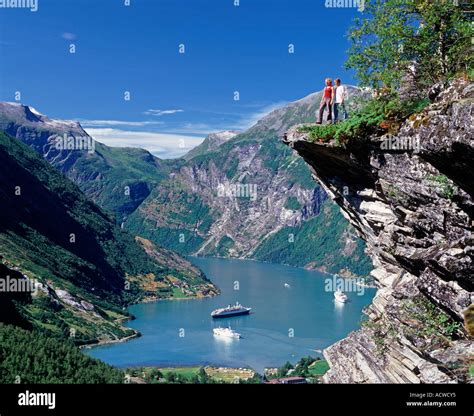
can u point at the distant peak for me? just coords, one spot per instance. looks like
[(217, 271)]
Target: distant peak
[(212, 143), (26, 113), (35, 111)]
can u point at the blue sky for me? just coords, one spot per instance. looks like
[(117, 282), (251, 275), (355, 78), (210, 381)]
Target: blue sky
[(173, 96)]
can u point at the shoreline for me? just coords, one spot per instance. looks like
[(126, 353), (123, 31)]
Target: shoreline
[(222, 373), (137, 334), (309, 269), (171, 298)]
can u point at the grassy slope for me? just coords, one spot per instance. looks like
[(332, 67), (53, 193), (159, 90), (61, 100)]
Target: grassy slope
[(40, 211), (171, 216), (36, 227)]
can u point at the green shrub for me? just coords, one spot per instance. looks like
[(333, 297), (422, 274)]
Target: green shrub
[(446, 189), (377, 115), (432, 320), (292, 203)]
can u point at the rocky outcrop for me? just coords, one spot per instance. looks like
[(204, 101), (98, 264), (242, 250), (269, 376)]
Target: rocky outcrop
[(410, 197)]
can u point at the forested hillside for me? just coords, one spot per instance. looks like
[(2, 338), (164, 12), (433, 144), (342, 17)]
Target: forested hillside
[(30, 357)]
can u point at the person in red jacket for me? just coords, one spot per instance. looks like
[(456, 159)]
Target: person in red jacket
[(327, 101)]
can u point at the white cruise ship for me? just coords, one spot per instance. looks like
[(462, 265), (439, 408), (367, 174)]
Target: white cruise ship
[(226, 332), (340, 296)]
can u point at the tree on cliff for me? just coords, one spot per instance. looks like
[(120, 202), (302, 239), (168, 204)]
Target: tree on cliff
[(428, 40)]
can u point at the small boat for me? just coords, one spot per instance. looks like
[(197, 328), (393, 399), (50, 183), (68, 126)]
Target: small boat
[(287, 285), (226, 332), (235, 310), (340, 296)]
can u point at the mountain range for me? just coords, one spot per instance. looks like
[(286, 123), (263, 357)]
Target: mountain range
[(97, 228), (81, 268), (238, 194)]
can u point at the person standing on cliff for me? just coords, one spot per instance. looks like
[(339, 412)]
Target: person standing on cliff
[(339, 100), (326, 101)]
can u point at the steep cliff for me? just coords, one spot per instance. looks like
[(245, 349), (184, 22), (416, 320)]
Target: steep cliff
[(246, 195), (410, 197)]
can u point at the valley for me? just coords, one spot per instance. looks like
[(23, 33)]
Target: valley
[(85, 268), (182, 204)]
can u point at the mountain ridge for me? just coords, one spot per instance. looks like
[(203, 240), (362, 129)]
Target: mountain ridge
[(211, 143), (117, 179), (176, 203), (83, 267), (286, 204)]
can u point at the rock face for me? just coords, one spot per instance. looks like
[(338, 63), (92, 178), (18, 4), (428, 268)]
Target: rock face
[(211, 143), (410, 197), (248, 196)]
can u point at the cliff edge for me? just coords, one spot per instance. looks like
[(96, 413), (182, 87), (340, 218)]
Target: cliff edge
[(410, 197)]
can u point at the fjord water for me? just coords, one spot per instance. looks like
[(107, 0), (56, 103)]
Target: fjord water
[(286, 323)]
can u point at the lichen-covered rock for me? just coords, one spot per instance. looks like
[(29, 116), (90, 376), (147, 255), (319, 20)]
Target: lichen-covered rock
[(414, 208)]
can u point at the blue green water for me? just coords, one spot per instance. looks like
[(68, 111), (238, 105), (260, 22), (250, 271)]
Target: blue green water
[(286, 323)]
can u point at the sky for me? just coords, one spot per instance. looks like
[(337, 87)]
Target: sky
[(175, 99)]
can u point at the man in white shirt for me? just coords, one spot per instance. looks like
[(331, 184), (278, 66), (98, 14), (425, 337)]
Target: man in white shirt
[(339, 101)]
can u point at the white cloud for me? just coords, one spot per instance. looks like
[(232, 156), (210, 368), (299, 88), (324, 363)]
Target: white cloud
[(152, 112), (163, 145), (69, 36), (240, 123), (197, 128), (177, 140), (111, 123)]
